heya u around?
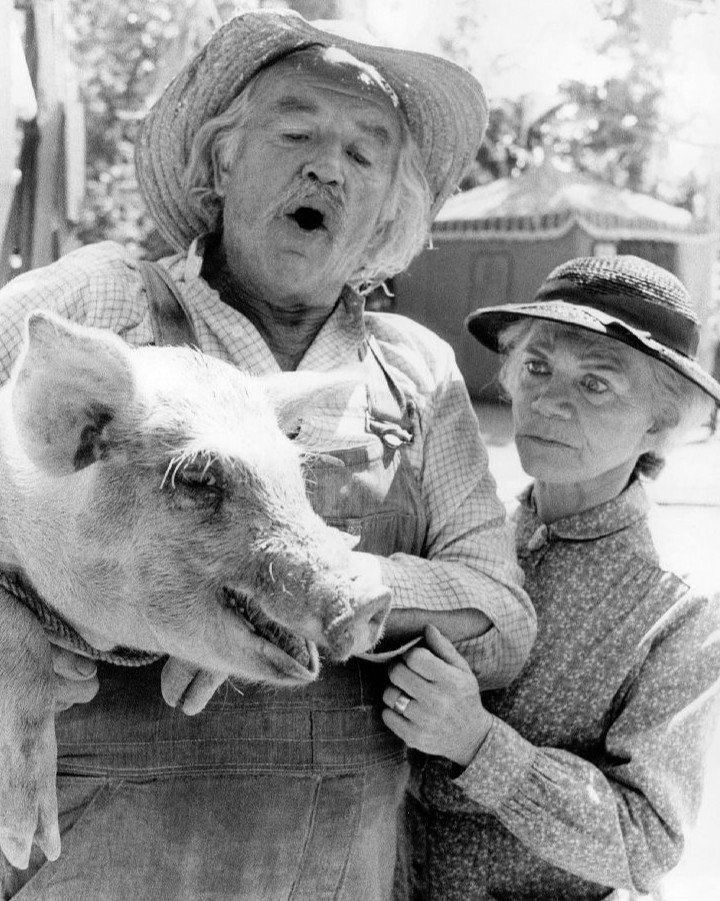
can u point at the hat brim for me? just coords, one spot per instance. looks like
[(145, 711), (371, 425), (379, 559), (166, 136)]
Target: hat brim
[(487, 323), (444, 105)]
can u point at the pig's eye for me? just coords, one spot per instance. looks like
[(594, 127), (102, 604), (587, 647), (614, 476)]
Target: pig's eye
[(196, 485), (198, 478)]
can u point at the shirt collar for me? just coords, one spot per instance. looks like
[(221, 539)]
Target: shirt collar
[(341, 341), (629, 507)]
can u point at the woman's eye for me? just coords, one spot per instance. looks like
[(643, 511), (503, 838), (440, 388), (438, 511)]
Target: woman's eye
[(595, 385), (536, 367)]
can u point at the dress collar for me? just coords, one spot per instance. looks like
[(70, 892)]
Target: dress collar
[(628, 508)]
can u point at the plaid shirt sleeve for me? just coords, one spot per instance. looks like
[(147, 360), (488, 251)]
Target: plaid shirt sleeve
[(95, 285), (469, 558)]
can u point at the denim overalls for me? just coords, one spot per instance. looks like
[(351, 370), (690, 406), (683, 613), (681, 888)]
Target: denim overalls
[(267, 794)]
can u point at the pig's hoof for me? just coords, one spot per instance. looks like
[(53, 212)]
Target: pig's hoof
[(28, 800)]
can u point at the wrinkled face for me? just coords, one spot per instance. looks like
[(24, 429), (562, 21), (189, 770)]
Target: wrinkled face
[(304, 191), (581, 405)]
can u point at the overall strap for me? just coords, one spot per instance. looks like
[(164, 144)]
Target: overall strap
[(171, 323), (391, 413)]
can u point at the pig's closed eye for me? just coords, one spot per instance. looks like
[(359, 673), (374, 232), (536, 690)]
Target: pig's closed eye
[(198, 479), (196, 485)]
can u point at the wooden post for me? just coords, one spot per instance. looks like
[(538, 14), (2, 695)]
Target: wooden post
[(48, 216)]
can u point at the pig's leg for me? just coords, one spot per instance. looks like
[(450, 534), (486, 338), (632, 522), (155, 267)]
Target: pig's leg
[(28, 752), (185, 686)]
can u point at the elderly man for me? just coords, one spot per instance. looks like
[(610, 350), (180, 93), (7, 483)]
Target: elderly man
[(293, 170)]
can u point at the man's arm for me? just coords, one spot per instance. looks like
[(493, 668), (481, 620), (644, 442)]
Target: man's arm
[(467, 583)]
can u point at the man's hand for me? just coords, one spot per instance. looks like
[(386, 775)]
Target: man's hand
[(444, 715), (76, 680), (186, 686)]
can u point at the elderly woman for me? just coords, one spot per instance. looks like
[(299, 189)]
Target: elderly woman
[(582, 776), (292, 170)]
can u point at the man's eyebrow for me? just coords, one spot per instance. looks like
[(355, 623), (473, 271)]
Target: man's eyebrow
[(292, 104)]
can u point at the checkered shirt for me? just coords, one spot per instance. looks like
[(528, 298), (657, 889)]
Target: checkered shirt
[(468, 561)]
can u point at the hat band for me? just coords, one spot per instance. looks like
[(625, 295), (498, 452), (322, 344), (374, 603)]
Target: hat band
[(672, 328)]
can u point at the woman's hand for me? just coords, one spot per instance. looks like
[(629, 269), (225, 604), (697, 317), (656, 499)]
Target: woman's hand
[(444, 715), (76, 680)]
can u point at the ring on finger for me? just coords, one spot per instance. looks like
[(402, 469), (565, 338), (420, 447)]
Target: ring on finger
[(401, 703)]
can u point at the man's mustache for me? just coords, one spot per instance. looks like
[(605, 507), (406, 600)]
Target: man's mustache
[(327, 199)]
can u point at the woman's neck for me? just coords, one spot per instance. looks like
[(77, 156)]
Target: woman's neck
[(557, 500)]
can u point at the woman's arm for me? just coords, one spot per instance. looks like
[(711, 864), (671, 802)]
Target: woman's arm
[(618, 819)]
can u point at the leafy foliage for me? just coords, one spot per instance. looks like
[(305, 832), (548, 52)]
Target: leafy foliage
[(125, 54), (614, 129)]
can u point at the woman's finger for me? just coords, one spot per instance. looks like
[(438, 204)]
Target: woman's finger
[(408, 681), (444, 648)]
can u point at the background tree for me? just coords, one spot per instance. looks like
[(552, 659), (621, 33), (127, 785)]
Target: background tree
[(613, 130), (610, 125), (125, 54)]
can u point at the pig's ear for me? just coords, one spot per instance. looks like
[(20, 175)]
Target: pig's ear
[(68, 384), (294, 395)]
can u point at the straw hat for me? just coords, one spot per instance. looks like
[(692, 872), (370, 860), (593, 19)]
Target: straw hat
[(444, 106), (624, 297)]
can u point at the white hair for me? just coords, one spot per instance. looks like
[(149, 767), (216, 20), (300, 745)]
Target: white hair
[(403, 223)]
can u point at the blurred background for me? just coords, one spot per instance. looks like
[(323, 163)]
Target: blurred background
[(604, 138)]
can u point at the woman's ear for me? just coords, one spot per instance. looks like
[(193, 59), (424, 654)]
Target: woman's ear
[(656, 437)]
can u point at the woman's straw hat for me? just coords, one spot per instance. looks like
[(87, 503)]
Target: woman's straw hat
[(444, 105), (624, 297)]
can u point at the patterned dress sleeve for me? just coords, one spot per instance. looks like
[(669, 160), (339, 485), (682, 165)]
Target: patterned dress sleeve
[(619, 819)]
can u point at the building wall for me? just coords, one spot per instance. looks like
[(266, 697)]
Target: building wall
[(446, 283)]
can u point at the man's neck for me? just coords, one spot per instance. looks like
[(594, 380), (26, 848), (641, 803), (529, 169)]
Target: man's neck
[(288, 328), (288, 333)]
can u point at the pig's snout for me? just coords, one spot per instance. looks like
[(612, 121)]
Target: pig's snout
[(359, 628)]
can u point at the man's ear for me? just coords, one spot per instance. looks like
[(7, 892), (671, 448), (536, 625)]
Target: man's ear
[(220, 160), (68, 385)]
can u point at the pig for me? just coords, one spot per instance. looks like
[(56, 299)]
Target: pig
[(152, 499)]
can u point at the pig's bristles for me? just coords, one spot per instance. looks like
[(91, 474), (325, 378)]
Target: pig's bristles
[(183, 459), (231, 685)]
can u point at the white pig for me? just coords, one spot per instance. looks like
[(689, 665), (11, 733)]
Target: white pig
[(151, 498)]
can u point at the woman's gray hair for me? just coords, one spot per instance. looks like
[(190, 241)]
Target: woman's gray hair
[(676, 404), (404, 221)]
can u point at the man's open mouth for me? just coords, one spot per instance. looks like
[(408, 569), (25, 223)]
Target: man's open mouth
[(301, 650), (308, 218)]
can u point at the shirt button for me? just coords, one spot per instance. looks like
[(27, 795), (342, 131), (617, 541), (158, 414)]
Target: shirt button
[(538, 538)]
